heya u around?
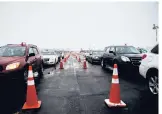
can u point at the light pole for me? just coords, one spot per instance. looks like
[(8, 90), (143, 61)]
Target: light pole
[(155, 28)]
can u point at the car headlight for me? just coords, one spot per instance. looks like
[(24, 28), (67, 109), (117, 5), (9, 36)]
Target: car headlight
[(96, 57), (125, 59), (13, 66)]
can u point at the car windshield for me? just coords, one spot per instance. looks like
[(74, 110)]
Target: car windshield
[(48, 53), (10, 51), (97, 53), (127, 50)]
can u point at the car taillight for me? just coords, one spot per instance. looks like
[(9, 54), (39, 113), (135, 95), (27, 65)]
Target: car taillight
[(144, 56)]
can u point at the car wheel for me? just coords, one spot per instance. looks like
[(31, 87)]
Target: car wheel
[(152, 83), (25, 75), (91, 61), (102, 64)]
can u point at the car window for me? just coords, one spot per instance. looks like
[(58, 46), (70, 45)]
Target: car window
[(97, 53), (126, 50), (35, 51), (54, 53), (112, 49), (155, 50), (31, 50), (107, 50)]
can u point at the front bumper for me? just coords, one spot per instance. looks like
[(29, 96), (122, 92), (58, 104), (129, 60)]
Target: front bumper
[(97, 60), (128, 67), (16, 74), (49, 62)]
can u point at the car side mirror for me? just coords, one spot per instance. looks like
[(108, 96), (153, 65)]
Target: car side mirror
[(112, 52), (31, 54)]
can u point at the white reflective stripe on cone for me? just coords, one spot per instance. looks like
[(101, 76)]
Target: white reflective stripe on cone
[(30, 74), (115, 81), (115, 71), (30, 82)]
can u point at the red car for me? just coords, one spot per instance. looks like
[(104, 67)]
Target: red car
[(15, 59)]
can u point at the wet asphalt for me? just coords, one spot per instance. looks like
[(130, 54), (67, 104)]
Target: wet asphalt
[(74, 90)]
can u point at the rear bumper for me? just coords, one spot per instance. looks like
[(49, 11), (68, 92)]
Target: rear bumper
[(142, 70)]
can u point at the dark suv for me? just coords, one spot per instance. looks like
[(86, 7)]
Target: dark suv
[(15, 59), (126, 57)]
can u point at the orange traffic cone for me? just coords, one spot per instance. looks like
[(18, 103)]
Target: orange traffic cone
[(79, 60), (85, 64), (65, 59), (61, 65), (114, 100), (31, 98)]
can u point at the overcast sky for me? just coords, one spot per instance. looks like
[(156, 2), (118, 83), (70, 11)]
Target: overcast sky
[(78, 25)]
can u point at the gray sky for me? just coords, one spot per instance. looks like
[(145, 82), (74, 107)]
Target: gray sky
[(78, 25)]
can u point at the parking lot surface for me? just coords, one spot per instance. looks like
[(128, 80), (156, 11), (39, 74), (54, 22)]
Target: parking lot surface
[(74, 90)]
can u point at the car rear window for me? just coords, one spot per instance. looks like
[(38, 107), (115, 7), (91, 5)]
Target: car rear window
[(10, 51)]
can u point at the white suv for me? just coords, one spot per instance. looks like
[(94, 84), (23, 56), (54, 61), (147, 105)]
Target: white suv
[(149, 69)]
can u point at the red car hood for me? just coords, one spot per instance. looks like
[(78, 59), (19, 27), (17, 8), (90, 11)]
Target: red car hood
[(6, 60)]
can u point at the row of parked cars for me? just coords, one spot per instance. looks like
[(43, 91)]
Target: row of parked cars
[(130, 60), (15, 59)]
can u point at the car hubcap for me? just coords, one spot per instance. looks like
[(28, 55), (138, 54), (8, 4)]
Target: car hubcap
[(153, 84)]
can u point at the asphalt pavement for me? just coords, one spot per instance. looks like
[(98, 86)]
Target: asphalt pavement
[(74, 90)]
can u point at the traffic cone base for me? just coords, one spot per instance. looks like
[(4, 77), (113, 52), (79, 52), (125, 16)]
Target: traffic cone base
[(110, 104), (26, 106)]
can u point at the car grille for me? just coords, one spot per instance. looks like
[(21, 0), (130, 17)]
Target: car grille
[(136, 61), (46, 59), (1, 68)]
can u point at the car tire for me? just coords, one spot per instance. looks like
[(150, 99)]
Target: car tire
[(103, 64), (152, 83), (25, 75)]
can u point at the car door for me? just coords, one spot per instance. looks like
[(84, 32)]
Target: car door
[(105, 55), (111, 56), (37, 58), (32, 59)]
